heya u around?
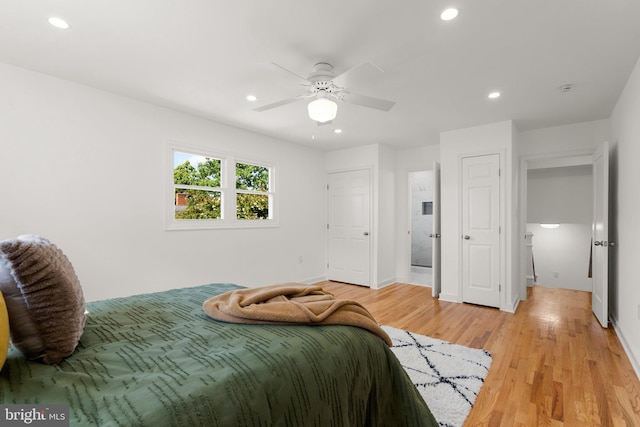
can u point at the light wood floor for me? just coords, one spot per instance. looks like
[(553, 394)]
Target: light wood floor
[(553, 364)]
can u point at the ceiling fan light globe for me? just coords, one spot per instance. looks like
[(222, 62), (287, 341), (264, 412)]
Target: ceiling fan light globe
[(322, 110)]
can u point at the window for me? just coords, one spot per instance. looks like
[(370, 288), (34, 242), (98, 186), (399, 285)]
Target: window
[(427, 208), (197, 188), (252, 191), (210, 190)]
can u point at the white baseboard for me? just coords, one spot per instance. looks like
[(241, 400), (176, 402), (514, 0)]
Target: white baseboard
[(625, 346), (511, 308), (449, 297), (403, 279), (384, 283), (419, 284), (314, 280)]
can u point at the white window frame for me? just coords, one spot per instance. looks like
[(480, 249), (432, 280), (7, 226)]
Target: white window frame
[(270, 193), (227, 189)]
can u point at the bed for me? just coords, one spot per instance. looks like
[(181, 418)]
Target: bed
[(158, 360)]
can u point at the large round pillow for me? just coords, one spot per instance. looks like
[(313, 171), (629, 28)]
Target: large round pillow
[(44, 298)]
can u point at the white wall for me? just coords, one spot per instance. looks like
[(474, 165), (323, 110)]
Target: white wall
[(386, 208), (86, 169), (564, 140), (408, 160), (479, 140), (624, 297), (516, 288), (560, 195), (562, 255)]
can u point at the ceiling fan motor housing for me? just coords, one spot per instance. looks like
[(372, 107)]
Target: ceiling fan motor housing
[(322, 83), (322, 71)]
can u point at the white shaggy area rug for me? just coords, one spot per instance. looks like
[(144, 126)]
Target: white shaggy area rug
[(448, 376)]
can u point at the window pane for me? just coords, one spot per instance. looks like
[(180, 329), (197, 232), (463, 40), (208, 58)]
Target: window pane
[(197, 204), (252, 177), (193, 169), (252, 206)]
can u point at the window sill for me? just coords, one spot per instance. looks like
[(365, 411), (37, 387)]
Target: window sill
[(213, 224)]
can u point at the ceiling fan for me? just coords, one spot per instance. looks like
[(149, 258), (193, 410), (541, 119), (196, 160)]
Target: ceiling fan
[(323, 92)]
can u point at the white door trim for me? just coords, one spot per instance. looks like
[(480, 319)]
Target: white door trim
[(436, 287)]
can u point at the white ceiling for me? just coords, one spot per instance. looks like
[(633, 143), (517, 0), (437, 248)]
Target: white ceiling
[(204, 56)]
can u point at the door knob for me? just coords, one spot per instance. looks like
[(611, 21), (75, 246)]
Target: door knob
[(597, 243), (366, 233), (466, 237), (612, 243)]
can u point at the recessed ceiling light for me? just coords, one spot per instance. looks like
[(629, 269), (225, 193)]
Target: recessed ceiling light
[(252, 98), (449, 14), (494, 95), (59, 23), (337, 131)]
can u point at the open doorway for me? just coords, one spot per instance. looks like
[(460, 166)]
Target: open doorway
[(421, 222), (597, 270), (559, 215), (549, 200)]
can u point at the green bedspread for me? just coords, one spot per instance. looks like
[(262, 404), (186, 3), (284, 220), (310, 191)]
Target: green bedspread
[(158, 360)]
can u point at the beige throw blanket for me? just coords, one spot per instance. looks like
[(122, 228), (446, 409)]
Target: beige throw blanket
[(290, 304)]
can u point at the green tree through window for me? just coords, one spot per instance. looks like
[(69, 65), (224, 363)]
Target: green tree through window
[(199, 188), (207, 173), (193, 198), (252, 186)]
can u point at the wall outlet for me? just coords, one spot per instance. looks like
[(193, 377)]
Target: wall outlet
[(556, 274)]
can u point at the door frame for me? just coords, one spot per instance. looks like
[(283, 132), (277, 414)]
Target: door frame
[(436, 251), (502, 267), (557, 159)]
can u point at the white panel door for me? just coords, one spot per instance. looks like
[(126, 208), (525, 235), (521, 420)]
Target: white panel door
[(481, 230), (600, 233), (349, 250), (435, 232)]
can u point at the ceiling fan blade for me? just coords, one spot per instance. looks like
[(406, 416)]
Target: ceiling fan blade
[(278, 104), (340, 77), (367, 101), (298, 76)]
